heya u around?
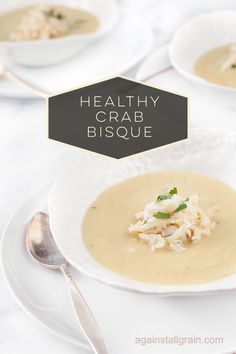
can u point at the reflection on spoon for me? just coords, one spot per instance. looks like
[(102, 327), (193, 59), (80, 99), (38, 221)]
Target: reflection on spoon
[(42, 247)]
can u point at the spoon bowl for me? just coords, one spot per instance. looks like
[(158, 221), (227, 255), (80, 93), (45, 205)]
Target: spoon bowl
[(43, 248), (40, 243)]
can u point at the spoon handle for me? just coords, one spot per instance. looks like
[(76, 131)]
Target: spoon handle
[(84, 316)]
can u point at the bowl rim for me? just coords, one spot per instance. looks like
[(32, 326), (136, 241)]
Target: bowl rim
[(192, 75), (99, 32)]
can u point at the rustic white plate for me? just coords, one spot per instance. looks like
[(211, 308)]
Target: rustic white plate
[(81, 180), (122, 316)]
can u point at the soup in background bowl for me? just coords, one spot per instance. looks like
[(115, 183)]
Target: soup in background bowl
[(53, 28), (46, 22), (218, 66)]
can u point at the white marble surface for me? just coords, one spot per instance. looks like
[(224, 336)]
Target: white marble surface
[(28, 159)]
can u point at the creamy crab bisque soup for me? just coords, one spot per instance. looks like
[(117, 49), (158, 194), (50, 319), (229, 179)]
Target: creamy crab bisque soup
[(45, 22), (218, 66), (164, 227)]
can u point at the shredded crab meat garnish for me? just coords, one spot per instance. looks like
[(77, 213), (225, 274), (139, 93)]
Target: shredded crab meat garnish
[(41, 22), (172, 222)]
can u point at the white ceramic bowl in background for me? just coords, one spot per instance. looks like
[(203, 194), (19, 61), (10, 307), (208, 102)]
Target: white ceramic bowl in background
[(77, 186), (197, 36), (48, 52), (118, 51)]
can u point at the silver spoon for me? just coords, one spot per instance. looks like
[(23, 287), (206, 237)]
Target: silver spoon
[(42, 247)]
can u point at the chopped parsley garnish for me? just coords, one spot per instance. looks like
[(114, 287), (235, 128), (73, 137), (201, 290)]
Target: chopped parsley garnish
[(173, 191), (60, 16), (182, 205), (160, 215), (53, 13), (233, 66), (167, 196), (163, 197)]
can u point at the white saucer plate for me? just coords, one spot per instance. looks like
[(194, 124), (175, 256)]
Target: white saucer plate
[(122, 316), (209, 152), (126, 45)]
